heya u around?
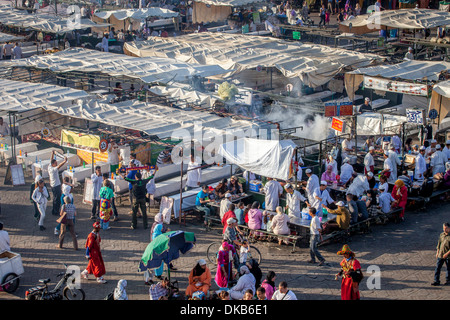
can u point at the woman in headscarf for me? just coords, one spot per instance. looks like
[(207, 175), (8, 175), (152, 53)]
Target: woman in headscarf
[(224, 265), (119, 292), (280, 223), (157, 229), (351, 274), (96, 265), (400, 194), (269, 284), (255, 216), (199, 279), (246, 281), (329, 176)]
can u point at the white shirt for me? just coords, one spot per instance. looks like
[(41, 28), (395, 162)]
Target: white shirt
[(346, 172), (293, 203), (436, 162), (65, 189), (420, 168), (395, 161), (194, 176), (97, 183), (224, 207), (53, 174), (249, 176), (346, 144), (40, 197), (277, 295), (446, 152), (311, 185), (299, 168), (272, 190), (315, 226), (359, 185), (105, 44), (387, 166), (4, 241), (4, 129), (326, 198), (113, 155), (386, 187), (17, 52), (368, 161)]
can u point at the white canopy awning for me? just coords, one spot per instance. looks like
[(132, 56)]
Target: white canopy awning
[(413, 70), (137, 14), (315, 65), (440, 100), (43, 22), (230, 3), (398, 19), (148, 70), (24, 96), (268, 158)]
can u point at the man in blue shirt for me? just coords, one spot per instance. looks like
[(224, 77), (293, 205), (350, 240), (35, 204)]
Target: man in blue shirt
[(131, 175), (201, 202)]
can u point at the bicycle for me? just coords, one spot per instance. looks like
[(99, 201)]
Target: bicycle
[(42, 292), (214, 247)]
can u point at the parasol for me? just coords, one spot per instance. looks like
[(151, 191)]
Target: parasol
[(165, 248)]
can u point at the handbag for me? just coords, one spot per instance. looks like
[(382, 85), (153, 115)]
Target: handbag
[(63, 218)]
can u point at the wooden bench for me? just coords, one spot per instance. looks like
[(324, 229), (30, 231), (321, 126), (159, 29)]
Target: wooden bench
[(291, 239)]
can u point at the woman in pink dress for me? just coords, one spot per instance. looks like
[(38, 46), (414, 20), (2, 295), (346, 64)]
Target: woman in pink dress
[(224, 264)]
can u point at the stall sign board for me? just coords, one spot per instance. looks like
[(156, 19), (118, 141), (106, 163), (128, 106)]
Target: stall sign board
[(337, 124)]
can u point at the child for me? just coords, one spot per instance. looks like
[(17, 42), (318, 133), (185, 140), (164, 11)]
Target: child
[(106, 196), (327, 16), (66, 189), (243, 256), (239, 212), (261, 293), (268, 222)]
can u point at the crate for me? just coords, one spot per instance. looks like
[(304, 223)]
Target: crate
[(255, 186)]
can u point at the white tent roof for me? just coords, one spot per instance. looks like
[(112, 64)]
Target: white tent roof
[(443, 88), (313, 64), (157, 120), (269, 158), (4, 37), (408, 70), (137, 14), (148, 70), (179, 91), (43, 22), (401, 19), (23, 96), (229, 3)]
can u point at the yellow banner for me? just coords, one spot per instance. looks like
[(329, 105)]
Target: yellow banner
[(80, 141)]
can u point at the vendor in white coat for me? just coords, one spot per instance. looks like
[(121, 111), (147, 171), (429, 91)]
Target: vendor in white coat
[(300, 163), (348, 147), (436, 161), (393, 155), (346, 171), (359, 185), (273, 190), (420, 164), (293, 201), (194, 173), (369, 163), (330, 161), (388, 168), (311, 185), (321, 197)]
